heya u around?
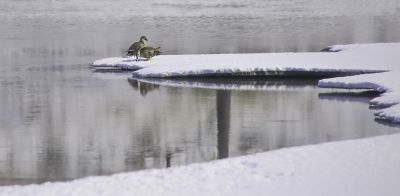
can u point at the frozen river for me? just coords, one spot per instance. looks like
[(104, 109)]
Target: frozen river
[(61, 121)]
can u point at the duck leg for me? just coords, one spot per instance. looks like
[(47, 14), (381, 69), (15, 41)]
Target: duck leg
[(137, 54)]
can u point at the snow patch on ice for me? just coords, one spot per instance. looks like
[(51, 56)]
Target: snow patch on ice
[(354, 82), (377, 48), (124, 63), (391, 114), (112, 61), (387, 83), (351, 60), (261, 64), (386, 99)]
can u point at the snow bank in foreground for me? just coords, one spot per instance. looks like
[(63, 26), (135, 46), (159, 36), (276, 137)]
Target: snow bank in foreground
[(362, 167), (388, 83)]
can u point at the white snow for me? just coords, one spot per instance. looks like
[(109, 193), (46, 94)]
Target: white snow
[(388, 83), (353, 59), (360, 167), (249, 64), (116, 62), (386, 100)]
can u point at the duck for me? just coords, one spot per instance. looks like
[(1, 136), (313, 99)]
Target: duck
[(135, 48), (148, 52)]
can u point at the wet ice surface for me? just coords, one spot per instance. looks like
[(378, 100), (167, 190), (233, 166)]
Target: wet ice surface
[(60, 121)]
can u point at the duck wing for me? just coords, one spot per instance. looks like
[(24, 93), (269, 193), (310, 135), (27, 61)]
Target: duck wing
[(135, 46)]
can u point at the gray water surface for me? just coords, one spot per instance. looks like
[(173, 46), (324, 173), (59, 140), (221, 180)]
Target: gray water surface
[(59, 120)]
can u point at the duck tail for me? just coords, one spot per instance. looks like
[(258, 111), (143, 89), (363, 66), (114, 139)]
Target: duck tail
[(129, 52)]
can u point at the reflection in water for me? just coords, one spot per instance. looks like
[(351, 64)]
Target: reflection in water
[(227, 83), (387, 123), (363, 96), (108, 126), (143, 87), (223, 122), (168, 157)]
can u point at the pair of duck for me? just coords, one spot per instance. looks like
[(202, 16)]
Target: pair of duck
[(140, 49)]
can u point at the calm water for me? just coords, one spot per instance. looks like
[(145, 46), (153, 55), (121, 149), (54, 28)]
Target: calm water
[(60, 121)]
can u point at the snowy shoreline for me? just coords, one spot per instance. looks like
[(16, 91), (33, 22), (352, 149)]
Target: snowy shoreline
[(355, 167)]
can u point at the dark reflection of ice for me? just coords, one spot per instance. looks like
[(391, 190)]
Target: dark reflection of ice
[(232, 83), (387, 123), (362, 97), (223, 122)]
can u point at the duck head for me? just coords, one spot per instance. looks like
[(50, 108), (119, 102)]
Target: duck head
[(143, 38)]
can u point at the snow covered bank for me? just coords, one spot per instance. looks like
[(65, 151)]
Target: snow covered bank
[(362, 167), (262, 64), (351, 60), (387, 104)]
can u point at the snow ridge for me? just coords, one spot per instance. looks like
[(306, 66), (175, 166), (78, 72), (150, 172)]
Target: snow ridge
[(387, 105)]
